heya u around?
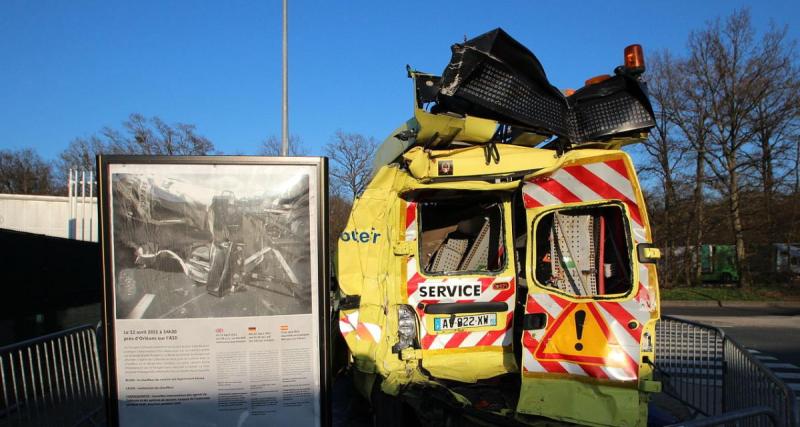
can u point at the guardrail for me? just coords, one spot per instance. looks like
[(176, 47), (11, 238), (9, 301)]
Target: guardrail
[(716, 377), (52, 380)]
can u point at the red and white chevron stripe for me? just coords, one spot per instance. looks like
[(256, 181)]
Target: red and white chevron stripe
[(430, 340), (621, 362), (597, 181), (349, 323)]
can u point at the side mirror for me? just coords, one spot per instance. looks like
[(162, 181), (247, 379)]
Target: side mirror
[(648, 253)]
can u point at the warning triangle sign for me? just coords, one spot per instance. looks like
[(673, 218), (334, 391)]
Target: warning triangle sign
[(580, 334)]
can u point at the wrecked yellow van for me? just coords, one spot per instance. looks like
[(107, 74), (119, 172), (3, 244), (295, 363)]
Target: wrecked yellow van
[(499, 264)]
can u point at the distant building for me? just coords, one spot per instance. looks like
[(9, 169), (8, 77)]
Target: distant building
[(55, 216), (787, 257)]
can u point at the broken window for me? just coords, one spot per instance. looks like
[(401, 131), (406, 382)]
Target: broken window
[(461, 235), (584, 251)]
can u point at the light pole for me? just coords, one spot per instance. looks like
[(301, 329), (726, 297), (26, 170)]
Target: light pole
[(285, 103)]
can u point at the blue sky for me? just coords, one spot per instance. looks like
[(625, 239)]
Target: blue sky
[(68, 68)]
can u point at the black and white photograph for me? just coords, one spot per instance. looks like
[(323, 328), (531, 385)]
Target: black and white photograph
[(209, 241)]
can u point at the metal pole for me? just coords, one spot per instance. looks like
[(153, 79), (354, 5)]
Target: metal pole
[(69, 204), (285, 106), (92, 206), (83, 205)]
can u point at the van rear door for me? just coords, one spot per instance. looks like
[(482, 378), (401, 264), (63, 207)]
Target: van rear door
[(460, 280), (589, 317)]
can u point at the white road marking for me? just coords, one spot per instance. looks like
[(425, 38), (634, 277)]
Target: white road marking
[(200, 295), (764, 357), (772, 365), (788, 375), (141, 306)]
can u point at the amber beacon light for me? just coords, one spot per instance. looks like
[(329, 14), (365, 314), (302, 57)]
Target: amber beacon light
[(634, 58)]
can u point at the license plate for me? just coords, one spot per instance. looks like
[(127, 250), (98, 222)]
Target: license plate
[(467, 321)]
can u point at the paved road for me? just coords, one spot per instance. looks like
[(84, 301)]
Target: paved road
[(770, 330), (771, 333)]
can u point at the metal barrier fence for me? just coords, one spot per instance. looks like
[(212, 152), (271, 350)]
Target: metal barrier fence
[(56, 379), (713, 375), (52, 380)]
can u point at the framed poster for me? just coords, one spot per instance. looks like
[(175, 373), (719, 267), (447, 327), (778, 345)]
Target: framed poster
[(216, 303)]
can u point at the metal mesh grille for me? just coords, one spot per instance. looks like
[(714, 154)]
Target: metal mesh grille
[(449, 256), (573, 247), (478, 255), (496, 89), (502, 91), (611, 113)]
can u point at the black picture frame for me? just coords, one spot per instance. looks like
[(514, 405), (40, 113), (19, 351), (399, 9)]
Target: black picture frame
[(323, 266)]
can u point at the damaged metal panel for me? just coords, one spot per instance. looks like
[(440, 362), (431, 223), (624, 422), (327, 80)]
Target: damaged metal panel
[(493, 76)]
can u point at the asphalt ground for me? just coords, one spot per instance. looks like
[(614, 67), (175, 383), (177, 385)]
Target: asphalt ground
[(768, 329), (770, 333)]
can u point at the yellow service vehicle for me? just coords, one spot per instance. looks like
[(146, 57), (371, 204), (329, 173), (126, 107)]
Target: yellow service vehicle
[(499, 265)]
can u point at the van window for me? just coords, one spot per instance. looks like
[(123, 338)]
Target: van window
[(461, 235), (584, 251)]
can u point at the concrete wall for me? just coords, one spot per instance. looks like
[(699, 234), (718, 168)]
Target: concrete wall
[(49, 215)]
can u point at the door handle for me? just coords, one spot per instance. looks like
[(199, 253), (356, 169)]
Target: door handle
[(534, 321)]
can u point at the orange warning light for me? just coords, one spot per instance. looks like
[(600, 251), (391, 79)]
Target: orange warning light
[(634, 57), (597, 79)]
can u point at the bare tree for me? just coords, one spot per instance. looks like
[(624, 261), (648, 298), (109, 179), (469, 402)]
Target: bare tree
[(796, 167), (730, 70), (793, 232), (24, 172), (154, 137), (80, 154), (682, 103), (666, 154), (338, 214), (139, 135), (688, 110), (272, 146), (351, 156), (775, 122)]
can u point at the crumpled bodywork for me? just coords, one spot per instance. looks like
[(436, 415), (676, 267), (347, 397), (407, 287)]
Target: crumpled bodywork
[(473, 257), (493, 76), (378, 271)]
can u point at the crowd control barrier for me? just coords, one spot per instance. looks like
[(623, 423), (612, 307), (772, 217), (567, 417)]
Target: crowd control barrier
[(717, 379), (53, 380)]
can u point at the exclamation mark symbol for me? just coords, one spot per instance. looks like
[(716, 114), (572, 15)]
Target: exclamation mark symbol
[(580, 317)]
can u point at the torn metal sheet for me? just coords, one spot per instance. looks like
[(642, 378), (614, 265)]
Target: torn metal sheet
[(493, 76)]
